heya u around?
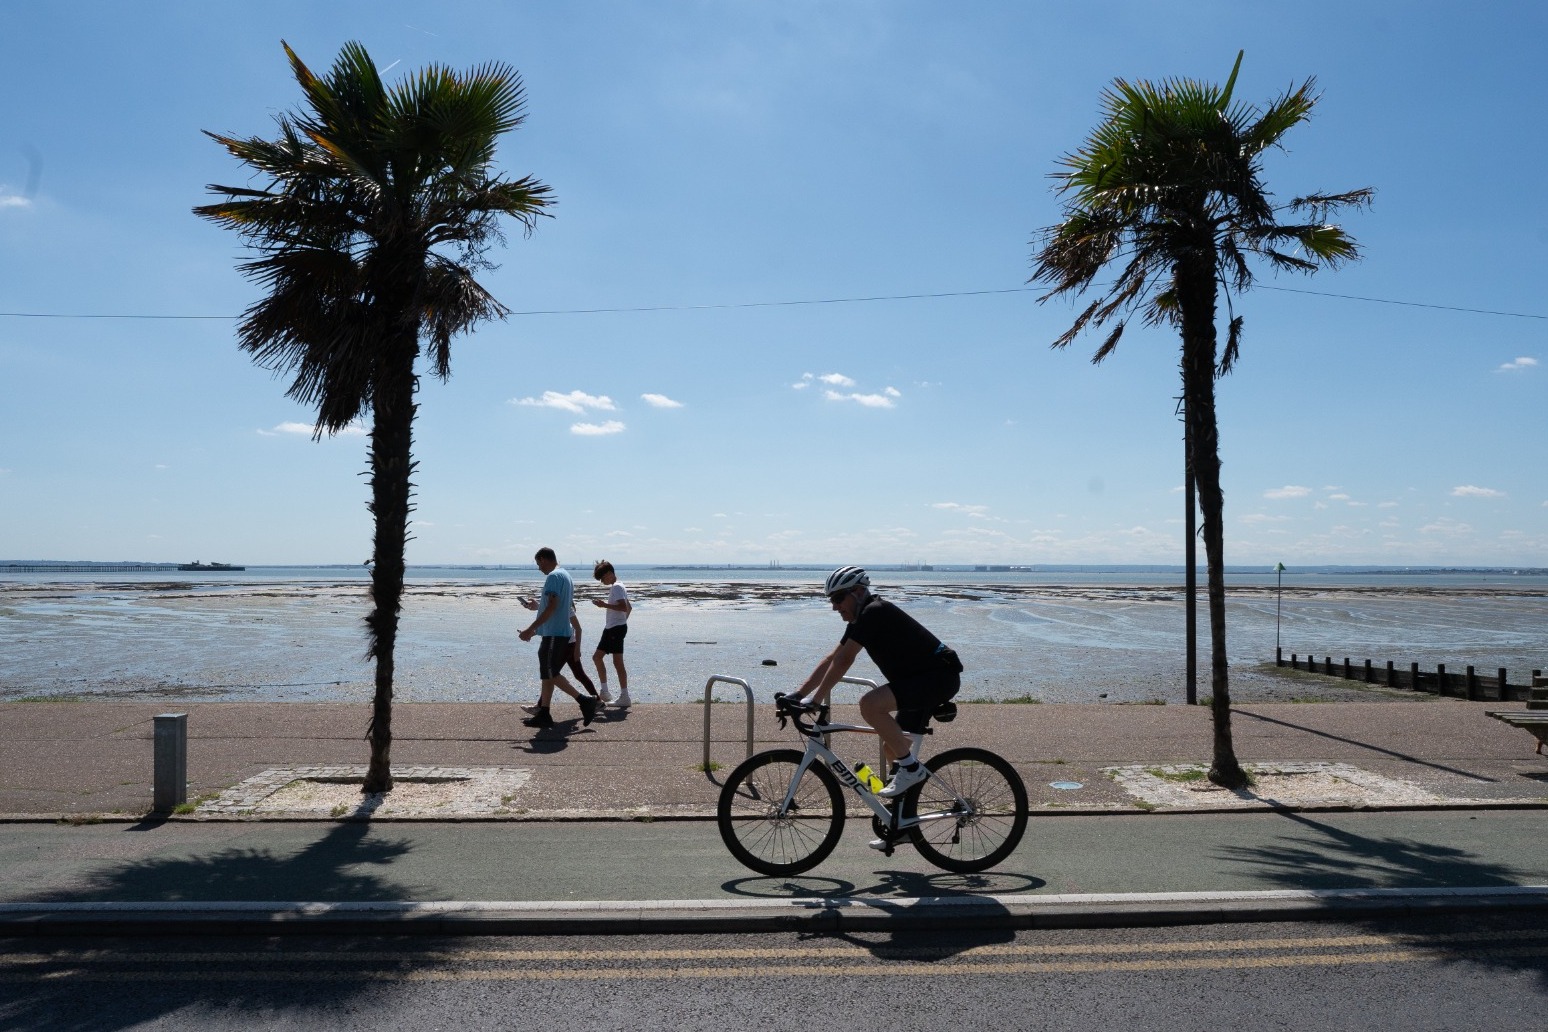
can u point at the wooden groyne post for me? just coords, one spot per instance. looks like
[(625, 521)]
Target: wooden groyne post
[(1472, 685)]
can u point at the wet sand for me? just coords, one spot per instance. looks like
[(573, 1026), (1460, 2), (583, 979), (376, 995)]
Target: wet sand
[(304, 641)]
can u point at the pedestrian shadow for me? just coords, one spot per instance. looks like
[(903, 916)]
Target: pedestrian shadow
[(108, 981)]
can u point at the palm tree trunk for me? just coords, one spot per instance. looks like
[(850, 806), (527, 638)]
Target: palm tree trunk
[(391, 464), (1196, 290)]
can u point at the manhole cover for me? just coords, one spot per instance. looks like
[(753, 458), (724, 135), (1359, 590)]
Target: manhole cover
[(1067, 786)]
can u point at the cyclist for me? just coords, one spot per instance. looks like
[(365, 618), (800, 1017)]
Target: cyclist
[(921, 672)]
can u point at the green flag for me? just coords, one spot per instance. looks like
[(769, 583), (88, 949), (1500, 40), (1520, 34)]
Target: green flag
[(1279, 567)]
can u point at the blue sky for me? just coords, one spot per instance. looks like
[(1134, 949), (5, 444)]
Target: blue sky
[(711, 159)]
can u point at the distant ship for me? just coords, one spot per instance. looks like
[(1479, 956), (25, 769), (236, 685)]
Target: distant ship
[(217, 567)]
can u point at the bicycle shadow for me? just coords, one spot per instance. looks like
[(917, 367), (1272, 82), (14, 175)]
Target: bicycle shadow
[(892, 884)]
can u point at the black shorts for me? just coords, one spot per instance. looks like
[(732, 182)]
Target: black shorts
[(612, 639), (918, 694), (553, 654)]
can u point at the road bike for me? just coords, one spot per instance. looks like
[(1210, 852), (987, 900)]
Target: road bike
[(781, 812)]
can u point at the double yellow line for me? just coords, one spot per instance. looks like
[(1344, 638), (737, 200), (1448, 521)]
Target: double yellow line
[(847, 960)]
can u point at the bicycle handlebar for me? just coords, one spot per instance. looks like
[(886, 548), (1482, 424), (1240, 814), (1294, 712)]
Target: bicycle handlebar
[(788, 708)]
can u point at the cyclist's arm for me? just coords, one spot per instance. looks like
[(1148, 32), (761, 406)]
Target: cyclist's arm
[(828, 672)]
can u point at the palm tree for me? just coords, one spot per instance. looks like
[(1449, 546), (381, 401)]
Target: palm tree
[(1168, 190), (376, 207)]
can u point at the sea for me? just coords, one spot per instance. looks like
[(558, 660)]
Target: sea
[(1033, 633)]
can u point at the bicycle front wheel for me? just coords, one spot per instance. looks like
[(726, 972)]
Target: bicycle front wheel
[(973, 809), (765, 834)]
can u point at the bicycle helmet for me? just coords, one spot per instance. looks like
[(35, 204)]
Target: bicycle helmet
[(846, 577)]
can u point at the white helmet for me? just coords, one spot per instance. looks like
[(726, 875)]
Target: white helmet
[(846, 577)]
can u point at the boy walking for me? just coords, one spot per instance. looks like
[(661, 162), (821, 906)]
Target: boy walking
[(614, 628)]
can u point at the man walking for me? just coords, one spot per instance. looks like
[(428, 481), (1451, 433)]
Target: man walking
[(552, 624)]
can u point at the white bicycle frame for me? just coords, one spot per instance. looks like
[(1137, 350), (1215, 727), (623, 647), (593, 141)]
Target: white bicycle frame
[(816, 750)]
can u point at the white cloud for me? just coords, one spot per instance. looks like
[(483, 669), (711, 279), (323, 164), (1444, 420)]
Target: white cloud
[(660, 401), (970, 510), (576, 402), (612, 426), (1260, 517), (867, 400), (10, 200), (836, 380), (1288, 491), (804, 382), (893, 392), (1449, 527), (1469, 491), (1516, 365), (307, 430), (1338, 497)]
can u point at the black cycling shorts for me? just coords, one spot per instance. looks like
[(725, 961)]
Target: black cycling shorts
[(919, 694)]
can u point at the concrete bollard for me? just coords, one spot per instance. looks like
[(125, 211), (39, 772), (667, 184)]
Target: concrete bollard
[(171, 762)]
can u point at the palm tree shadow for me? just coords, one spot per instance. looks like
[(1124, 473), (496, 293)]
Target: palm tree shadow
[(1350, 860), (119, 991), (324, 870), (1346, 859)]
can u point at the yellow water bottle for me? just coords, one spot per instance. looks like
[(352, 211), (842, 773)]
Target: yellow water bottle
[(868, 778)]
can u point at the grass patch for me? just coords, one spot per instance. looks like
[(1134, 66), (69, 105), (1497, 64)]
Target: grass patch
[(1187, 776), (1015, 700), (706, 768)]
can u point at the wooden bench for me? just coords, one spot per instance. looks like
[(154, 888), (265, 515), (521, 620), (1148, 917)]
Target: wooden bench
[(1535, 721)]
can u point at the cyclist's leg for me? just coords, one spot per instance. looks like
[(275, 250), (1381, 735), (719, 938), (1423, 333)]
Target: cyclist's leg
[(877, 707)]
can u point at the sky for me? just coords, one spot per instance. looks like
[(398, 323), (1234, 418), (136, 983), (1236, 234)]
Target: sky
[(691, 374)]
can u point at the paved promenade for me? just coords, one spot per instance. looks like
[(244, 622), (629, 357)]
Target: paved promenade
[(95, 759), (496, 826)]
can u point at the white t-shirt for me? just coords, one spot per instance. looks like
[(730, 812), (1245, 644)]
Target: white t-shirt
[(615, 595)]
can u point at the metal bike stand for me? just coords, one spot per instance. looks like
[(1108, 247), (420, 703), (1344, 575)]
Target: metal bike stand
[(710, 684)]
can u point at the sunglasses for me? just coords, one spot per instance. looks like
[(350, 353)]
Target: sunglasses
[(839, 596)]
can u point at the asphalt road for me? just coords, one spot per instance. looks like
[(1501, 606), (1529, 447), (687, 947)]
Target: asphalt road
[(271, 861), (1459, 972)]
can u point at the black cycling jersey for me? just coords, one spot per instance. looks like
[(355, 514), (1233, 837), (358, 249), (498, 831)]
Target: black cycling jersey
[(899, 645)]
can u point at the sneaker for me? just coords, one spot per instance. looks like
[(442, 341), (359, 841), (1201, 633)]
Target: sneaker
[(542, 718), (532, 709), (905, 779), (589, 707), (603, 694), (878, 844), (624, 701)]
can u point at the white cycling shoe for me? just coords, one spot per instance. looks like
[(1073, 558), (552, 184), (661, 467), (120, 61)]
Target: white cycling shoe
[(904, 779)]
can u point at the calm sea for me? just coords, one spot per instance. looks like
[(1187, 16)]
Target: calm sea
[(1058, 634)]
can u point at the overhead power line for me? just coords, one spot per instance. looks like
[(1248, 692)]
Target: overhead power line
[(807, 301)]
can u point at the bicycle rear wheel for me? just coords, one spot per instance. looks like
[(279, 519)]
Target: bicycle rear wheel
[(983, 806), (766, 836)]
